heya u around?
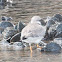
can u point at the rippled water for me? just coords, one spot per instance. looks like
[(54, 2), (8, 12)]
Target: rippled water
[(23, 10), (10, 53)]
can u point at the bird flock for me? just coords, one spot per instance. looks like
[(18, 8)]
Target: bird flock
[(46, 32)]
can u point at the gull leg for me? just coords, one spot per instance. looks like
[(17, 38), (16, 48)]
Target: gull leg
[(31, 49), (38, 46)]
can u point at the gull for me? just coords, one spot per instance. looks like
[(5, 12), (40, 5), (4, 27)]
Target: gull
[(9, 3), (5, 18), (33, 32)]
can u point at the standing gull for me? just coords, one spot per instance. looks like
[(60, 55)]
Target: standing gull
[(33, 32)]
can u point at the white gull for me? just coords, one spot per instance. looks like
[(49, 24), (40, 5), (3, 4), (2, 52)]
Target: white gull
[(33, 32)]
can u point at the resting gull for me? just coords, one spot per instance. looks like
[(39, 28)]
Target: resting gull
[(33, 32)]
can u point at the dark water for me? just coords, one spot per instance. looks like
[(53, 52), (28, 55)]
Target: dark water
[(23, 10)]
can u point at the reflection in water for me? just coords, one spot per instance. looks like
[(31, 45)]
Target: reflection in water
[(11, 53)]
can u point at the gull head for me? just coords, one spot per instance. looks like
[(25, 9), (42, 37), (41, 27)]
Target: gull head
[(36, 19)]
